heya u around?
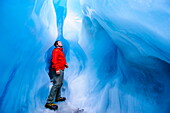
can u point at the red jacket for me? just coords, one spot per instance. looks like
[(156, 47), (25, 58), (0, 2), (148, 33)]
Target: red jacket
[(58, 59)]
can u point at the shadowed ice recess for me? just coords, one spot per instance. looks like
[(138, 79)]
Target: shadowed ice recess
[(118, 53)]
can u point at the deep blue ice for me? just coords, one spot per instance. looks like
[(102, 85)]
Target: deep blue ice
[(118, 53)]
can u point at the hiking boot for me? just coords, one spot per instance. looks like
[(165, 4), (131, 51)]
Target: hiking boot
[(60, 99), (51, 106)]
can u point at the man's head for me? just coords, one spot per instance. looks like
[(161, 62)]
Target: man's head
[(58, 43)]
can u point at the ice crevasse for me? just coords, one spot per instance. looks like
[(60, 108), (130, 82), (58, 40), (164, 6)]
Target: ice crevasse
[(117, 51)]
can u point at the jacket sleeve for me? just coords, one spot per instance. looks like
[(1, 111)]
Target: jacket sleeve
[(55, 63)]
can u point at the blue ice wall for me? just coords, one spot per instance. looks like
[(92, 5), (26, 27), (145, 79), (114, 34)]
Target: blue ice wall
[(128, 44), (117, 51), (26, 34)]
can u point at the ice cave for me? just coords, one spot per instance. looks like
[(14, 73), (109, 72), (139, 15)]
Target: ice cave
[(118, 53)]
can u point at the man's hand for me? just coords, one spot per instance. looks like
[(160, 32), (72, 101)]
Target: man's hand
[(66, 65), (57, 72)]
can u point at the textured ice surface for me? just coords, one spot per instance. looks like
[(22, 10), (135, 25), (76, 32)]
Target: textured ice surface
[(117, 51)]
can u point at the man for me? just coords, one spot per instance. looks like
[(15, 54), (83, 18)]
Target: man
[(56, 73)]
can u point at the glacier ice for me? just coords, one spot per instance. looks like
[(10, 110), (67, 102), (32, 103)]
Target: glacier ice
[(118, 55)]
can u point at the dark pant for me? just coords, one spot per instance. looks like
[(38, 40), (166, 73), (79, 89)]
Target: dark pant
[(56, 88)]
